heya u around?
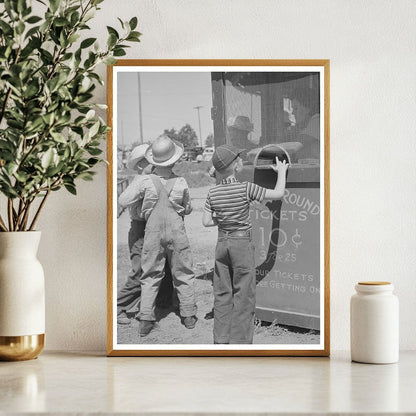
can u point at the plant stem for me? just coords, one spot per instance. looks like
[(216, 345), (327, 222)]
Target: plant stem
[(21, 212), (17, 217), (26, 216), (2, 224), (10, 213), (39, 209)]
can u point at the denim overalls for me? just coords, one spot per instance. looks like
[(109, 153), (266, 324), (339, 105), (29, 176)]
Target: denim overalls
[(165, 239)]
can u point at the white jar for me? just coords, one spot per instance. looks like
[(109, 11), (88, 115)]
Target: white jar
[(374, 323)]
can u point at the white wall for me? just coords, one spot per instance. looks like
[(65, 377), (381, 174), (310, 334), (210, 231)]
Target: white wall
[(371, 45)]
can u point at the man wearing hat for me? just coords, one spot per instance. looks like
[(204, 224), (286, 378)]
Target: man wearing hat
[(165, 201), (129, 295), (228, 207), (239, 127)]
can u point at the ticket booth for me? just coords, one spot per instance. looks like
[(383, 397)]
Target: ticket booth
[(256, 111)]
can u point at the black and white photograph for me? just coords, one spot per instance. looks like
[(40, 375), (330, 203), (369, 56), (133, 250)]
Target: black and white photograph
[(218, 227)]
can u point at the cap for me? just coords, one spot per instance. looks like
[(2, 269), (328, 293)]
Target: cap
[(224, 155)]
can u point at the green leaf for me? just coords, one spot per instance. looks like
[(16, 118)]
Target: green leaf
[(33, 19), (58, 137), (121, 22), (67, 153), (7, 30), (94, 129), (119, 52), (61, 21), (74, 18), (52, 171), (20, 28), (31, 32), (87, 42), (70, 188), (10, 8), (54, 4), (110, 60), (133, 37), (11, 168), (112, 41), (86, 176), (21, 6), (63, 41), (47, 158), (111, 30), (48, 118), (21, 177), (94, 151), (73, 38), (133, 23), (35, 125), (90, 115), (53, 83)]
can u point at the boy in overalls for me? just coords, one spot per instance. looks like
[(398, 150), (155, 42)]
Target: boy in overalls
[(166, 200), (129, 295), (227, 206)]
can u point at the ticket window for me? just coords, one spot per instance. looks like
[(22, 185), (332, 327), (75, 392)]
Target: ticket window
[(267, 115), (252, 110)]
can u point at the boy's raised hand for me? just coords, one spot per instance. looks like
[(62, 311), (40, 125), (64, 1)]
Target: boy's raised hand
[(280, 166)]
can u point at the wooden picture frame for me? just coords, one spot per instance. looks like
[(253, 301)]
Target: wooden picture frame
[(291, 237)]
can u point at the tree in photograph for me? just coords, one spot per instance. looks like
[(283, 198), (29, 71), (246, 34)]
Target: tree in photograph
[(171, 133), (187, 136)]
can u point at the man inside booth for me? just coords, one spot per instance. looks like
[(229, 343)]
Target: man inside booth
[(239, 128), (305, 108)]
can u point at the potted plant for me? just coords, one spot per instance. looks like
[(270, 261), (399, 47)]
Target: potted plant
[(50, 136)]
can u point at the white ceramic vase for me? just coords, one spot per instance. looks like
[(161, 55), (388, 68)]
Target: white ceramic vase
[(22, 296)]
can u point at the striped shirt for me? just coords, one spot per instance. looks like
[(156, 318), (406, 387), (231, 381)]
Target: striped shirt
[(229, 203)]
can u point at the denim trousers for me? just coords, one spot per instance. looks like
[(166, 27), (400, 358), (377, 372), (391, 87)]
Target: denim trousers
[(234, 290), (128, 298)]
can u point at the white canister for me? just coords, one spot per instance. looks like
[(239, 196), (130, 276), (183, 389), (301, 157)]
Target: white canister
[(374, 323)]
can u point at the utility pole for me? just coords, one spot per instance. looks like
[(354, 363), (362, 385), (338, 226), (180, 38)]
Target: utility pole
[(122, 134), (140, 107), (198, 107)]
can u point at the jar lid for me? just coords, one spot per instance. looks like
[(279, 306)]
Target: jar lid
[(370, 287), (373, 283)]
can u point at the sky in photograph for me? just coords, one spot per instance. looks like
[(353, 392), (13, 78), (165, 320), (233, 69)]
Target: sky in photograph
[(168, 101)]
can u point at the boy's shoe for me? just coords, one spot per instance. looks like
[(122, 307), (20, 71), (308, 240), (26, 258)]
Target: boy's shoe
[(145, 327), (123, 319), (189, 322)]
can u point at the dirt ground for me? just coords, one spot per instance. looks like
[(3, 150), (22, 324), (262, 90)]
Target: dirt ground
[(169, 329)]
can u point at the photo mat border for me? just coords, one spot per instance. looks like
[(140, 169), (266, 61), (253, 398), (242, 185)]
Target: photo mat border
[(113, 350)]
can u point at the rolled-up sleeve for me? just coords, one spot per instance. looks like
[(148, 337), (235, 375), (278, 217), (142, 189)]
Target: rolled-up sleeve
[(187, 201), (133, 193), (208, 206)]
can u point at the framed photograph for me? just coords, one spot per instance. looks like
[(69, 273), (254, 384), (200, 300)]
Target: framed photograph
[(218, 208)]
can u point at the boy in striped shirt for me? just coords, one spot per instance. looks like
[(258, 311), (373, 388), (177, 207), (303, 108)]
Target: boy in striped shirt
[(227, 206)]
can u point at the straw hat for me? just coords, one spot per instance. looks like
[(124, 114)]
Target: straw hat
[(164, 152), (137, 155)]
